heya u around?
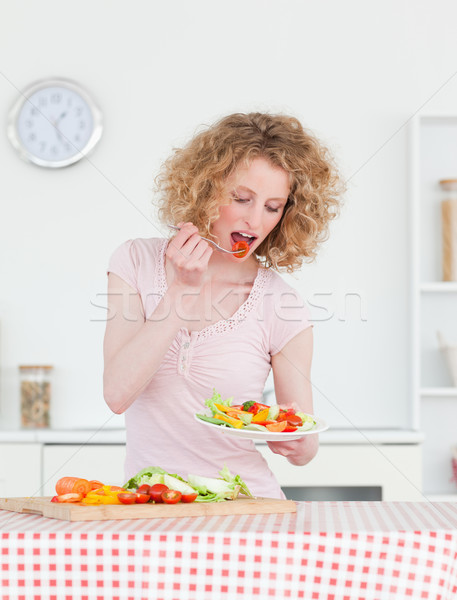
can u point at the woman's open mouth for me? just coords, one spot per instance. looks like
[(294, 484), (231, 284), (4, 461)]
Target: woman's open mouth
[(241, 236)]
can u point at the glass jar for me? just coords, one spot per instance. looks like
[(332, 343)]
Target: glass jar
[(449, 228), (35, 395)]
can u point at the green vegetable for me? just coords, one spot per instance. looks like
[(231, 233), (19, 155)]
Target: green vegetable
[(149, 475), (217, 399), (208, 489), (273, 413), (220, 489), (245, 417), (177, 483), (235, 480), (213, 420), (308, 421), (226, 488), (256, 427), (249, 404)]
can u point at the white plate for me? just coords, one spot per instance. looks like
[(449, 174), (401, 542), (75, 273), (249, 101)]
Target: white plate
[(267, 436)]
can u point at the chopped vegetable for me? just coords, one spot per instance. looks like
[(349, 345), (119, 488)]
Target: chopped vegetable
[(262, 415), (230, 420), (174, 483), (73, 485), (127, 498), (277, 426), (171, 496), (108, 494), (195, 489), (249, 404), (156, 492), (149, 475), (218, 488), (235, 480), (68, 498)]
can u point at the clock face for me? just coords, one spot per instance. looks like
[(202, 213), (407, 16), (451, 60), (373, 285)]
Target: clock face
[(54, 124)]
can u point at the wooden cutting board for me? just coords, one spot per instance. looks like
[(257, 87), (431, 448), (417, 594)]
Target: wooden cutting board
[(80, 512)]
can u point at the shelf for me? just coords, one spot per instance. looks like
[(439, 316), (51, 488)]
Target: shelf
[(441, 497), (444, 392), (439, 286)]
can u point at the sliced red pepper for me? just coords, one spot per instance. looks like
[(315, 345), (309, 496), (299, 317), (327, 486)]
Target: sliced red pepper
[(289, 429), (257, 407)]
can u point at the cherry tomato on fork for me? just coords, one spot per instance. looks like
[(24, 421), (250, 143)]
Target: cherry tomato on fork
[(243, 248)]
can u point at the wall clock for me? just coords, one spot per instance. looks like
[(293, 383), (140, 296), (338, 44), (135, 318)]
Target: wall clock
[(54, 123)]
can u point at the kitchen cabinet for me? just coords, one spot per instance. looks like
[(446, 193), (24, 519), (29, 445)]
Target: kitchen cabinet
[(433, 149), (104, 462), (395, 468), (20, 469), (386, 460)]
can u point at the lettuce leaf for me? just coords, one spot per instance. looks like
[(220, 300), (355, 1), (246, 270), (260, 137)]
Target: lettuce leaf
[(149, 475), (235, 480), (216, 398)]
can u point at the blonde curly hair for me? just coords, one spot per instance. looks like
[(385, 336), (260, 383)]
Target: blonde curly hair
[(191, 184)]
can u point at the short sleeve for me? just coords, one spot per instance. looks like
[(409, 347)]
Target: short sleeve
[(124, 263), (290, 317)]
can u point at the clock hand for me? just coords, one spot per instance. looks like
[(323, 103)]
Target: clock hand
[(56, 125)]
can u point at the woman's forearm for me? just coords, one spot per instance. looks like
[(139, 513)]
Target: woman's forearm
[(132, 367)]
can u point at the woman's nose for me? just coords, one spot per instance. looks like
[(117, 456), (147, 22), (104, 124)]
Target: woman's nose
[(253, 218)]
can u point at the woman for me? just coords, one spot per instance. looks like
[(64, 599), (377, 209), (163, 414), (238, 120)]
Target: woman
[(186, 319)]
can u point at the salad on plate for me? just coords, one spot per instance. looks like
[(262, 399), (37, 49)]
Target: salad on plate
[(257, 417)]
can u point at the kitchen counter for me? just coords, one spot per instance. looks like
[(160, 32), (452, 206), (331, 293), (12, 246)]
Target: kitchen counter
[(339, 550), (117, 436)]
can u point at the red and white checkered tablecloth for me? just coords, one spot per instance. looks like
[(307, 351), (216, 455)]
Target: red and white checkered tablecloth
[(328, 550)]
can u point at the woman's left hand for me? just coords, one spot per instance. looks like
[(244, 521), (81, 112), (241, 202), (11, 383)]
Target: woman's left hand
[(298, 452)]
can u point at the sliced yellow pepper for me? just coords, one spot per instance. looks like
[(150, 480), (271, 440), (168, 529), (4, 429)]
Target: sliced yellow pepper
[(261, 416), (103, 495), (235, 422), (94, 500)]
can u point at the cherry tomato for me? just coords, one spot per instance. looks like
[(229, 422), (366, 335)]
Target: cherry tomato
[(243, 248), (143, 489), (127, 498), (142, 498), (188, 497), (156, 492), (171, 496)]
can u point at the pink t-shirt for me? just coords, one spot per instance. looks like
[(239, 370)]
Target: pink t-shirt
[(232, 356)]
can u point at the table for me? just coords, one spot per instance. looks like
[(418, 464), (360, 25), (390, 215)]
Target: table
[(327, 550)]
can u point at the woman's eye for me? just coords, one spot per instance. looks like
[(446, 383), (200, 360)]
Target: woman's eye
[(271, 209), (238, 199)]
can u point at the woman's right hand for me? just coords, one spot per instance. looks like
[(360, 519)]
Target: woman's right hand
[(189, 256)]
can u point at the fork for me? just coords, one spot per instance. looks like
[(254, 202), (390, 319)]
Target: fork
[(210, 241)]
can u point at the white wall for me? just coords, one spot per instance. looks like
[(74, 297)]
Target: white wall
[(353, 71)]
